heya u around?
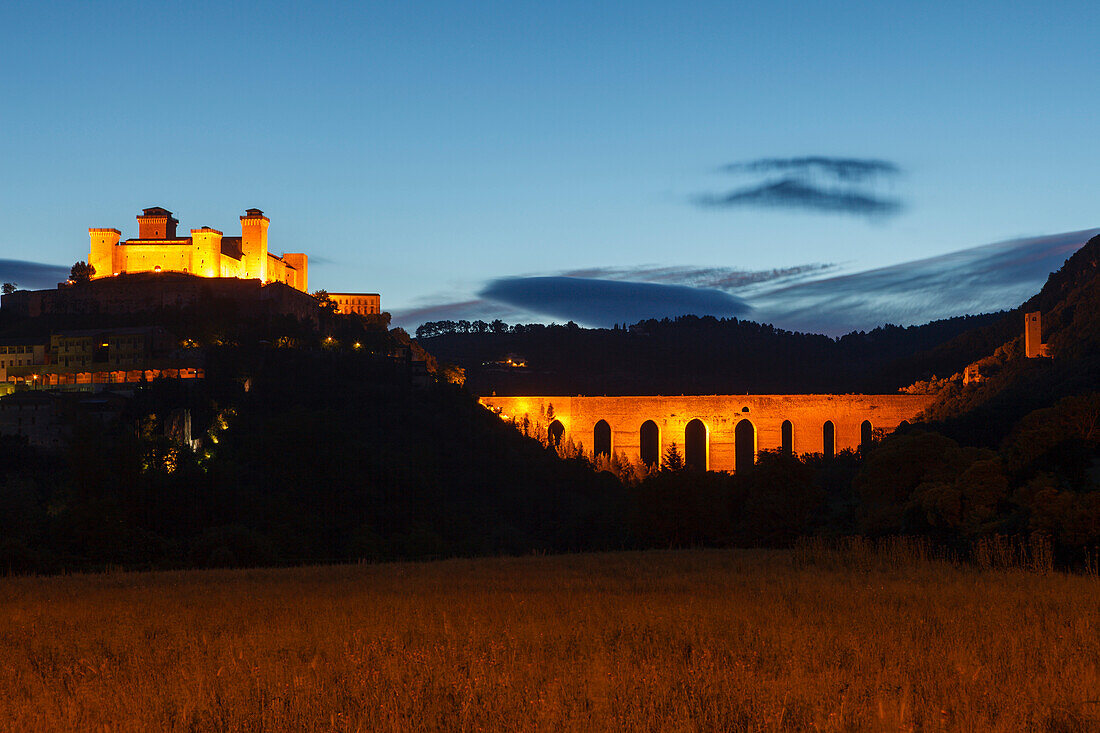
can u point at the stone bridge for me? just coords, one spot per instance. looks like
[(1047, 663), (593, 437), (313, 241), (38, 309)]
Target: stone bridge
[(715, 432)]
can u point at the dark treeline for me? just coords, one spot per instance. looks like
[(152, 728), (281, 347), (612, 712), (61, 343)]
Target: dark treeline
[(700, 355)]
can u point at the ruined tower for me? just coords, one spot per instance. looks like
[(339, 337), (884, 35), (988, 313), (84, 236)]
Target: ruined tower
[(1033, 336)]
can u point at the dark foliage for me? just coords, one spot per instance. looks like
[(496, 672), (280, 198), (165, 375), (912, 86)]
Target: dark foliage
[(693, 355)]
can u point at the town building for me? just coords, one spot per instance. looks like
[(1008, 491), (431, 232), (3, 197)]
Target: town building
[(363, 304)]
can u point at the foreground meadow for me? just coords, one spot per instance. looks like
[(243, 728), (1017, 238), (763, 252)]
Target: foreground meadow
[(691, 640)]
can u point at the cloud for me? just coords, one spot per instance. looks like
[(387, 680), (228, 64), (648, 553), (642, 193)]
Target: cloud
[(594, 302), (791, 193), (32, 275), (809, 298), (453, 307), (722, 278), (981, 279), (816, 183), (844, 169)]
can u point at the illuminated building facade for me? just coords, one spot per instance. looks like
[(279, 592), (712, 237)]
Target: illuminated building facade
[(363, 304), (206, 253)]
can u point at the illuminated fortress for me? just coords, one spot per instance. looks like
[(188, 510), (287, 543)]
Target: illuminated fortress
[(206, 253)]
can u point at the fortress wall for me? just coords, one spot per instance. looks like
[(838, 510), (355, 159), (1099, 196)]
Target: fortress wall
[(720, 414), (231, 267), (145, 257)]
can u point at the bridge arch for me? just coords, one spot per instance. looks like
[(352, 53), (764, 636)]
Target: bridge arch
[(786, 437), (866, 435), (697, 445), (744, 445), (828, 439), (555, 432), (649, 443), (601, 439)]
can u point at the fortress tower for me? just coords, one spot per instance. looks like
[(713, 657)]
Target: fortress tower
[(156, 223), (102, 255), (254, 244)]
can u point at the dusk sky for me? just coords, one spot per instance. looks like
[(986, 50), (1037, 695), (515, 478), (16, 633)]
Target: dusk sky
[(429, 151)]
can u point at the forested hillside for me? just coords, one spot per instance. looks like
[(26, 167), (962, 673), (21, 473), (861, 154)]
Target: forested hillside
[(693, 355), (1012, 386)]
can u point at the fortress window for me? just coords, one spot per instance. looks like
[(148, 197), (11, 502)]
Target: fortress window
[(828, 439), (601, 438), (649, 441), (744, 446), (695, 445)]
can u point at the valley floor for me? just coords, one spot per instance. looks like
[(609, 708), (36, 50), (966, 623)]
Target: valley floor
[(688, 640)]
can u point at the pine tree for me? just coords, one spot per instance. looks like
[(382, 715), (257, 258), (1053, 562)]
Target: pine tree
[(672, 460)]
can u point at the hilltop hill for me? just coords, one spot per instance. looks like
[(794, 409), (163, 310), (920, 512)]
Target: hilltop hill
[(1013, 386)]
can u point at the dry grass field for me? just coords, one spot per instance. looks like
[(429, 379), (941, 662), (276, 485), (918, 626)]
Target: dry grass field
[(692, 640)]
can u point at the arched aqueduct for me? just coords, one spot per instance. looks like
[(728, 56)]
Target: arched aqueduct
[(716, 432)]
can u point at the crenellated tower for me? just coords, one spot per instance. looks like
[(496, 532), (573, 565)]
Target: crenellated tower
[(102, 253), (254, 244), (206, 252), (156, 223)]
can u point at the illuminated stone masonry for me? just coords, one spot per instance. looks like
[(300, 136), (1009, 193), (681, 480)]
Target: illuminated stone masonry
[(206, 253), (717, 432)]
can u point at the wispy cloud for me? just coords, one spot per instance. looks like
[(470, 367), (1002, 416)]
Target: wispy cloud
[(810, 183), (32, 275), (521, 308), (808, 298), (793, 194), (976, 280), (722, 278), (606, 302), (844, 169)]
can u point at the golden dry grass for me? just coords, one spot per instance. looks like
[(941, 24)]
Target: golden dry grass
[(694, 640)]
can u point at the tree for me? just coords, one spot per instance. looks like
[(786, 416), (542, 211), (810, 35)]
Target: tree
[(8, 288), (673, 461), (325, 301), (81, 272)]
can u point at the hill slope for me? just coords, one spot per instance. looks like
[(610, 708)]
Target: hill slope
[(984, 413)]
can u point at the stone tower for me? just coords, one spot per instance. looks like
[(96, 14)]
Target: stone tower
[(254, 244), (102, 253), (156, 223), (1033, 336), (206, 252)]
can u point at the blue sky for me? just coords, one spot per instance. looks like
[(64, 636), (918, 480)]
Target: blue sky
[(425, 149)]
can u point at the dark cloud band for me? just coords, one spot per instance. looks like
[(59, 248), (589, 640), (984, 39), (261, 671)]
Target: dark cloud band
[(606, 302), (844, 169), (32, 275), (791, 193)]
